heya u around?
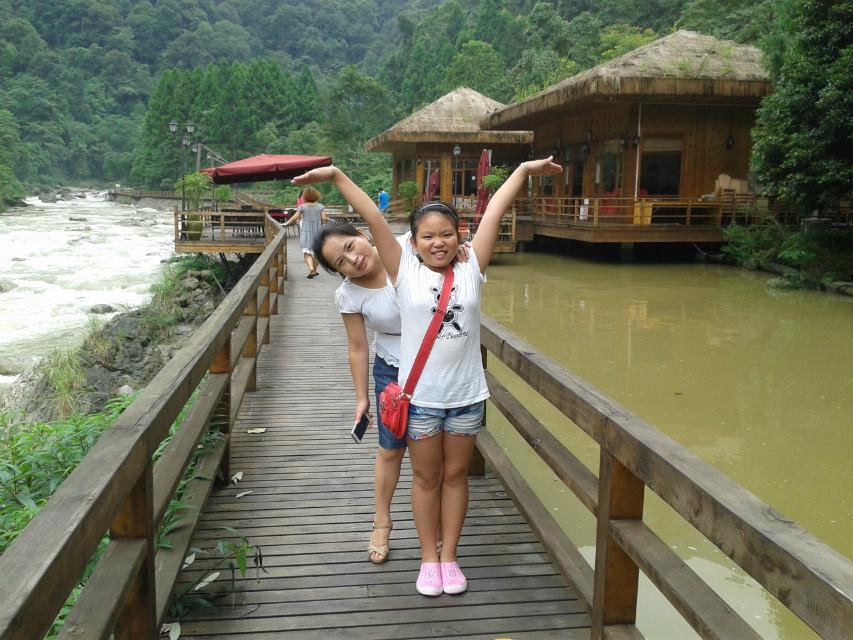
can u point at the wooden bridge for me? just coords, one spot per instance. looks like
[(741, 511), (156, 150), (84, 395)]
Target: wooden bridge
[(268, 381)]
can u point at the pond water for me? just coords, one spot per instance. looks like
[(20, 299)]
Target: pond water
[(757, 382)]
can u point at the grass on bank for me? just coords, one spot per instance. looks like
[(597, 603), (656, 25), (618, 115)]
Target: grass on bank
[(820, 258), (35, 458)]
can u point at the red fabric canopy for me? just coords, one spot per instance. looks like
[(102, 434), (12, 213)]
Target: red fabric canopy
[(432, 186), (265, 167), (483, 169)]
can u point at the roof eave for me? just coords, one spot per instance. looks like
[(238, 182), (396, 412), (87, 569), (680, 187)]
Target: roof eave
[(380, 143), (630, 88)]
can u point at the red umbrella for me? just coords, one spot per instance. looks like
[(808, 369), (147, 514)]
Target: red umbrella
[(432, 186), (265, 167), (483, 169)]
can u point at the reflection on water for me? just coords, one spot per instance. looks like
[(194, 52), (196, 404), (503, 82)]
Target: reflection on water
[(758, 383)]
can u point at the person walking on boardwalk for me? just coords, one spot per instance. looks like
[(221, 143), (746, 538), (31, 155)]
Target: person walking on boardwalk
[(447, 404), (312, 214), (367, 300)]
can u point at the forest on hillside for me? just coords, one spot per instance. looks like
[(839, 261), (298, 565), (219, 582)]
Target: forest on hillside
[(87, 87)]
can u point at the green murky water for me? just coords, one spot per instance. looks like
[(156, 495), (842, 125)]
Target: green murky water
[(758, 383)]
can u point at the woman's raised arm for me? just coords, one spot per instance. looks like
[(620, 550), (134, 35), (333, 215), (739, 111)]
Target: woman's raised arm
[(363, 204), (487, 233)]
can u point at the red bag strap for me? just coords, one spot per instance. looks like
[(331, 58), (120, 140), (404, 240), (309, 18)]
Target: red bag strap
[(431, 332)]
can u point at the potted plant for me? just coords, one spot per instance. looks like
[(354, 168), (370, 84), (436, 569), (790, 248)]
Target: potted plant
[(194, 186)]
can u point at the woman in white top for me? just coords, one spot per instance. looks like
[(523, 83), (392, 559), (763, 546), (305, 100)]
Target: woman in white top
[(367, 300), (447, 404)]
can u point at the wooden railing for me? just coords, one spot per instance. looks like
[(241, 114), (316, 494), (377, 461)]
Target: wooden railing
[(810, 578), (117, 488), (223, 226), (597, 212), (141, 193)]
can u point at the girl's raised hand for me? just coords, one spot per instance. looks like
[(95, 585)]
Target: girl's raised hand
[(323, 174), (542, 167)]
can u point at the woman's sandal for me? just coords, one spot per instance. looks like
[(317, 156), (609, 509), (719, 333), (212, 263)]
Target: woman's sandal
[(381, 550)]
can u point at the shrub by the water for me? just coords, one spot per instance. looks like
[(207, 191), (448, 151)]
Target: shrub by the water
[(819, 257)]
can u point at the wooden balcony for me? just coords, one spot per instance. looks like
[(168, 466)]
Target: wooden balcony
[(664, 219)]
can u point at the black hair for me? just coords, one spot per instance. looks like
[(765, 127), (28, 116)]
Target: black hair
[(448, 211), (328, 230)]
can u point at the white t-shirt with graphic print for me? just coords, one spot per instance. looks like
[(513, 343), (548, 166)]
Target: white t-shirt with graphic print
[(453, 375)]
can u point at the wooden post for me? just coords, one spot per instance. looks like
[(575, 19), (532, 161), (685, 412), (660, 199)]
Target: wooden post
[(250, 350), (273, 272), (689, 202), (177, 231), (595, 202), (478, 462), (138, 617), (264, 309), (222, 414), (620, 496)]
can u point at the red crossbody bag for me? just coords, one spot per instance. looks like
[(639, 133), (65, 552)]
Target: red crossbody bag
[(394, 401)]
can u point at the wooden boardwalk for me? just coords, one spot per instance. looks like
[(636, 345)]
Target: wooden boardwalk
[(311, 507)]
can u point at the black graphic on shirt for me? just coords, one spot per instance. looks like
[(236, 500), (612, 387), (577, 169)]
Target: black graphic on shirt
[(453, 308)]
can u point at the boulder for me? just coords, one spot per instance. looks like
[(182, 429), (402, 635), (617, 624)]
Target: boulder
[(6, 285), (101, 308)]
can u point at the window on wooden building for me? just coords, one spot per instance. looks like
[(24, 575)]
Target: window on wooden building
[(465, 177), (608, 168), (573, 162), (660, 166)]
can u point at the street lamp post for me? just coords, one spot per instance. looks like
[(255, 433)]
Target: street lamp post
[(185, 144), (457, 151)]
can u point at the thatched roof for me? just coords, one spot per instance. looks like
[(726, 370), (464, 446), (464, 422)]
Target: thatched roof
[(454, 117), (684, 66)]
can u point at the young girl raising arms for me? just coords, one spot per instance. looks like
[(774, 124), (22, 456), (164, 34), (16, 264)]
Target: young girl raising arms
[(447, 404)]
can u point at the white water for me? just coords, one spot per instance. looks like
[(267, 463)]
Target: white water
[(60, 268)]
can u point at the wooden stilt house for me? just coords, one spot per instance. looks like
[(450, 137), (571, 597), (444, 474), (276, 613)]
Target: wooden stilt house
[(446, 136), (655, 143)]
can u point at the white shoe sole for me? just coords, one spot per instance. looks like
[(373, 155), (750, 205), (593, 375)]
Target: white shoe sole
[(456, 590), (427, 591)]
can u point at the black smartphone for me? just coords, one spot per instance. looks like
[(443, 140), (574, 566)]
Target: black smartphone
[(359, 428)]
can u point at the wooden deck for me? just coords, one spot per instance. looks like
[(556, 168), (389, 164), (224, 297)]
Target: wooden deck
[(311, 508)]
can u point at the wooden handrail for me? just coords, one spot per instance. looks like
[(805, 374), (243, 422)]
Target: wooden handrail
[(807, 576), (117, 488)]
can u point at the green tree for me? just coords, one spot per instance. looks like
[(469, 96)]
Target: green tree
[(804, 132), (617, 39), (538, 69), (584, 37), (479, 67)]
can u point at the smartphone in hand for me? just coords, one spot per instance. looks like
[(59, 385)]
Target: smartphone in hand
[(359, 428)]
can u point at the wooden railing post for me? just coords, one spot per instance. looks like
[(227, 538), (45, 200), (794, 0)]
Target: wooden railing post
[(221, 419), (478, 462), (272, 276), (250, 350), (138, 617), (620, 497), (264, 307)]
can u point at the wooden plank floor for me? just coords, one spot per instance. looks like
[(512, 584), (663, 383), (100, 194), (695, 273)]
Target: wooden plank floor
[(311, 509)]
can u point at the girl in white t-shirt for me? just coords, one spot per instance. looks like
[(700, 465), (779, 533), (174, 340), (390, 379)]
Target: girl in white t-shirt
[(366, 300), (447, 403)]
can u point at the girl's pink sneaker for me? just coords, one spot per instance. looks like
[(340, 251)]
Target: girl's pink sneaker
[(452, 578), (429, 579)]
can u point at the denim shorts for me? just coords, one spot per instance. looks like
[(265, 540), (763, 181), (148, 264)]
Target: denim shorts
[(425, 422), (383, 373)]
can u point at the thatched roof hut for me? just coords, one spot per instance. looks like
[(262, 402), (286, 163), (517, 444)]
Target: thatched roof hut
[(453, 118), (683, 67)]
